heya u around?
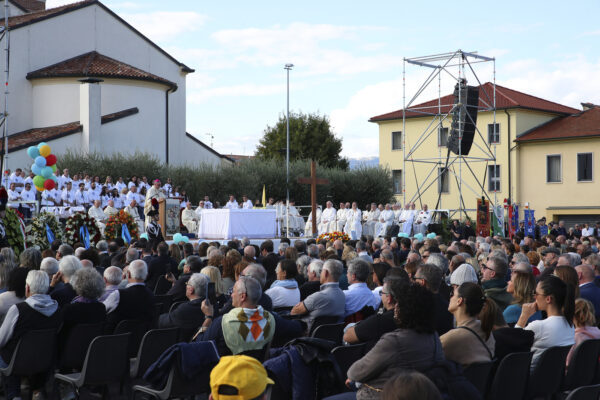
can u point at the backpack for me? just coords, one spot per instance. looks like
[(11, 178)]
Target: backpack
[(449, 379)]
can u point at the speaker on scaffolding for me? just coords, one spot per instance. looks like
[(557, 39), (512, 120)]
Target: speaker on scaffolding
[(464, 118)]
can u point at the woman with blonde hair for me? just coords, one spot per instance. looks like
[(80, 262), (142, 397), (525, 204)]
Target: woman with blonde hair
[(215, 277), (585, 324), (231, 259), (175, 253), (568, 275), (522, 288)]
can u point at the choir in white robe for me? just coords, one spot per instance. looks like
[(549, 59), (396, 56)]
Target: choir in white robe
[(328, 221), (353, 226)]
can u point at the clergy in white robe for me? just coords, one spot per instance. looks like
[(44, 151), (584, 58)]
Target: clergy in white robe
[(189, 218), (246, 203), (353, 226), (110, 209), (296, 220), (328, 219), (341, 217), (369, 226), (155, 192), (308, 226), (132, 209), (422, 220), (404, 216), (232, 204), (96, 212), (386, 218)]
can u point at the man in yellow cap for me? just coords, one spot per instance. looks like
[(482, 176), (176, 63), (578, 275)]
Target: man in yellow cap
[(239, 378)]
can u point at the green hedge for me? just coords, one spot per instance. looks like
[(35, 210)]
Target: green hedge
[(364, 185)]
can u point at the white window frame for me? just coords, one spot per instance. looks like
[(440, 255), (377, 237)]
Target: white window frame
[(440, 181), (577, 168), (495, 178), (560, 173), (499, 136), (392, 138), (401, 181)]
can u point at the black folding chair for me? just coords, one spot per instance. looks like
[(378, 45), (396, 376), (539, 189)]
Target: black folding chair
[(154, 343), (33, 355), (166, 300), (105, 363), (333, 332), (162, 286), (175, 305), (479, 375), (137, 329), (585, 393), (76, 345), (547, 377), (583, 364), (511, 377), (348, 355), (324, 320)]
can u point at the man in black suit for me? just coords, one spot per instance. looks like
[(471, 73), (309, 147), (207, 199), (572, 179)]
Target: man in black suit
[(268, 259), (135, 302), (64, 293), (193, 264), (102, 247), (161, 265), (188, 314)]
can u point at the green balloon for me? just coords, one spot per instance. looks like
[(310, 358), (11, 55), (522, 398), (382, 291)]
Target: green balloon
[(53, 167), (38, 181)]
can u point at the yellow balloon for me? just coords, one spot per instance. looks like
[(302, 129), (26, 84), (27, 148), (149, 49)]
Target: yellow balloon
[(45, 151), (40, 189)]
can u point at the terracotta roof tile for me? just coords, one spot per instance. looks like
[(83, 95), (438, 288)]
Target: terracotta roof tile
[(505, 98), (30, 5), (581, 125), (94, 64), (20, 20), (31, 137)]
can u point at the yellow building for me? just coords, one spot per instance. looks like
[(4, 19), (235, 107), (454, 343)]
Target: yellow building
[(558, 170), (516, 113)]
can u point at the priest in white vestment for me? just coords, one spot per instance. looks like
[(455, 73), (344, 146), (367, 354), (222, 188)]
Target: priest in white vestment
[(246, 203), (155, 192), (296, 220), (328, 219), (369, 226), (422, 220), (341, 217), (96, 212), (189, 218), (386, 218), (232, 204), (353, 226), (132, 210), (403, 216), (308, 226), (110, 209)]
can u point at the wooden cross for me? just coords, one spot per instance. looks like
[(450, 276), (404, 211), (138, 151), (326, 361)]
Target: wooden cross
[(313, 181)]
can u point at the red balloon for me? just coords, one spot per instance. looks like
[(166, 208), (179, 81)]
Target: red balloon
[(49, 183), (50, 160)]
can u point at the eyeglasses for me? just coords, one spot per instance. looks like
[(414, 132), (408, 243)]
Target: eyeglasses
[(536, 294), (418, 277), (382, 293), (486, 267)]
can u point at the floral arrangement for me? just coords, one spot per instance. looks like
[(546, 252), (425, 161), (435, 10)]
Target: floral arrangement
[(75, 222), (331, 236), (15, 230), (36, 230), (113, 226)]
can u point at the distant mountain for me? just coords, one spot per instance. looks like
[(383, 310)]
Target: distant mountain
[(364, 161)]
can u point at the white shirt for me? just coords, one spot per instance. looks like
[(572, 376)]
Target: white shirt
[(283, 297), (68, 197), (63, 180), (93, 195), (97, 214), (13, 195), (387, 216), (113, 299), (18, 179), (134, 196), (342, 214), (248, 205), (208, 205), (549, 332), (167, 188), (81, 198), (49, 195), (29, 180), (120, 186), (231, 205), (28, 195)]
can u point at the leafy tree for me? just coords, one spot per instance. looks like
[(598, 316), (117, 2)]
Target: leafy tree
[(311, 138)]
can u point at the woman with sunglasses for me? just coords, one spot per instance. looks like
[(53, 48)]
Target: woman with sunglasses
[(557, 298), (471, 341)]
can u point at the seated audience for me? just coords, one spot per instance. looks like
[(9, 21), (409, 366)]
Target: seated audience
[(410, 385), (160, 266), (16, 290), (585, 324), (358, 294), (431, 277), (193, 264), (188, 314), (313, 284), (379, 271), (257, 272), (587, 288), (50, 266), (113, 276), (568, 275), (493, 280), (215, 278), (510, 340), (240, 377), (471, 341), (557, 299), (413, 346), (522, 288), (67, 267), (284, 291)]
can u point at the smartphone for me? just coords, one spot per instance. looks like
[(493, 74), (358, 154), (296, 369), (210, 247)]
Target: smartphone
[(211, 294)]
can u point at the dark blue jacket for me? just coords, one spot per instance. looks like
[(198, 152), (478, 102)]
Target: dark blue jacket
[(291, 373), (591, 292)]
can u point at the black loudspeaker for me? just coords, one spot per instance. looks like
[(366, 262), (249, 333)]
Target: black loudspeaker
[(464, 118)]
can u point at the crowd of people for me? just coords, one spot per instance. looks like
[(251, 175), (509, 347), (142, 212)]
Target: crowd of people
[(412, 302)]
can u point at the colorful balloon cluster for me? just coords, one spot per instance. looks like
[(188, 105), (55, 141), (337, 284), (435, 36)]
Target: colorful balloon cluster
[(44, 167)]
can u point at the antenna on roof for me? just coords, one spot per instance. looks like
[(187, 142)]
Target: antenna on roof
[(212, 137)]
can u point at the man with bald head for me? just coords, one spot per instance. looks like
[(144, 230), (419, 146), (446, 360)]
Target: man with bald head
[(588, 290)]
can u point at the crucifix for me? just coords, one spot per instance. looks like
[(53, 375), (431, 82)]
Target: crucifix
[(313, 181)]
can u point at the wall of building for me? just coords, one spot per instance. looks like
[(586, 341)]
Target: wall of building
[(55, 102), (20, 158)]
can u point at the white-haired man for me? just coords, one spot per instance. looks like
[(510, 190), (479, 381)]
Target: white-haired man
[(190, 218), (50, 266), (110, 209), (136, 301), (314, 279), (132, 209), (328, 219), (38, 311), (189, 314), (372, 218), (67, 267), (96, 212), (386, 218), (112, 279)]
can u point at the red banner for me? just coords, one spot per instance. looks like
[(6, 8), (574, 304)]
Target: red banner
[(511, 229), (483, 218)]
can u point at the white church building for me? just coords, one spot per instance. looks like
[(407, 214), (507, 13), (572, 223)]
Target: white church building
[(83, 79)]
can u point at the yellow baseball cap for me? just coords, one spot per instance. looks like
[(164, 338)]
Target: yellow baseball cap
[(238, 378)]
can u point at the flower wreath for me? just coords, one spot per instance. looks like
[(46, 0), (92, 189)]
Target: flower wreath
[(36, 231), (331, 236), (15, 230), (115, 222), (76, 221)]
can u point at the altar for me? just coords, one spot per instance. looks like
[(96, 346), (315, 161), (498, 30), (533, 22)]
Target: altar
[(229, 224)]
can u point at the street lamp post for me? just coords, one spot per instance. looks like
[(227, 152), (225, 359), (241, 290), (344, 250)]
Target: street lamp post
[(287, 67)]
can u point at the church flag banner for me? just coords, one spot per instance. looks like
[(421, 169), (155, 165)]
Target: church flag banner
[(529, 222), (543, 230), (125, 233), (514, 220), (498, 221), (264, 198), (84, 236), (483, 218), (49, 235)]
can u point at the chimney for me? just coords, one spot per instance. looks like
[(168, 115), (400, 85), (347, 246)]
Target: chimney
[(89, 114), (588, 106)]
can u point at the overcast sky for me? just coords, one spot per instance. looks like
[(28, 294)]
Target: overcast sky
[(348, 57)]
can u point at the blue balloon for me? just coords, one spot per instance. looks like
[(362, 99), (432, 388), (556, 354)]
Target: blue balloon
[(41, 144), (33, 152), (54, 178), (47, 172), (35, 169), (40, 161)]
